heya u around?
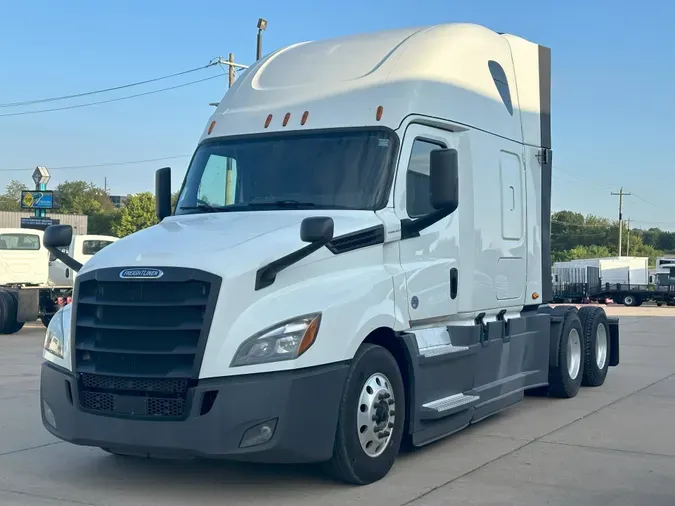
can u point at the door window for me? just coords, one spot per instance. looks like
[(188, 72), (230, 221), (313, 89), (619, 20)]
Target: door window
[(418, 190)]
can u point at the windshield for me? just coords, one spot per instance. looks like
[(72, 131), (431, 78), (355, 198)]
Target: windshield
[(328, 170), (19, 242)]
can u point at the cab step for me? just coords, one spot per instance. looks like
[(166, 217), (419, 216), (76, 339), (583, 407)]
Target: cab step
[(447, 406)]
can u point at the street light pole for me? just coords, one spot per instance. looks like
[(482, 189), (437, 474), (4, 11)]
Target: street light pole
[(262, 26)]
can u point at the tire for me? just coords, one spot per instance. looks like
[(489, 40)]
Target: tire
[(629, 300), (372, 365), (10, 325), (596, 340), (561, 382), (45, 319)]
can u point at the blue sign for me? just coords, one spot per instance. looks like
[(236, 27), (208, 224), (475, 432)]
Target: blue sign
[(37, 199)]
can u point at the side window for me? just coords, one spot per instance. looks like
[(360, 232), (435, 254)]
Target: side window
[(418, 192), (217, 186), (502, 84), (91, 247)]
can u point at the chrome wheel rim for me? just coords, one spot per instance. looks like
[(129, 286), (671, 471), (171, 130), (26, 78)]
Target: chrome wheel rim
[(628, 301), (573, 353), (601, 346), (376, 415)]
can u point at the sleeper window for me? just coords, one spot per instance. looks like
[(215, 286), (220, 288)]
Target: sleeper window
[(418, 191)]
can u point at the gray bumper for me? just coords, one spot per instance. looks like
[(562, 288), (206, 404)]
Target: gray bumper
[(304, 403)]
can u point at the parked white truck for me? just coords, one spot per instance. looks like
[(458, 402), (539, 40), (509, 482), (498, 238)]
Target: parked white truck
[(359, 258), (25, 291), (81, 248)]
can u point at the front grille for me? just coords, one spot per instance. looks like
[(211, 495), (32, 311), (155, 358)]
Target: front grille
[(139, 343)]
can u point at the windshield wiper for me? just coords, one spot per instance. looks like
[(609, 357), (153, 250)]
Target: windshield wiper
[(209, 208), (280, 203)]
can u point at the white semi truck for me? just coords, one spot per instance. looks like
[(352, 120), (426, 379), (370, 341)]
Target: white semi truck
[(359, 259)]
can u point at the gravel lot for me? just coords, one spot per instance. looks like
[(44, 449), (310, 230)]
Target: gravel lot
[(609, 446)]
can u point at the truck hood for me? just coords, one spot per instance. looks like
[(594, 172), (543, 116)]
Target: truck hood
[(217, 242)]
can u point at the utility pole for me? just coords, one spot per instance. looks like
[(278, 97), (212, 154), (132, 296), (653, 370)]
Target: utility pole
[(628, 238), (230, 70), (621, 194)]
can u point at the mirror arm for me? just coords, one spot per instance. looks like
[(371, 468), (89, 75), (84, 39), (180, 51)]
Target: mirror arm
[(66, 259), (412, 228), (267, 274)]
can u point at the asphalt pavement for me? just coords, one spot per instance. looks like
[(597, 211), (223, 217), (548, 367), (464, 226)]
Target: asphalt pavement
[(609, 446)]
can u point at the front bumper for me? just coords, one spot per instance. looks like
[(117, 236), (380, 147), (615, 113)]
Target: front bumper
[(305, 404)]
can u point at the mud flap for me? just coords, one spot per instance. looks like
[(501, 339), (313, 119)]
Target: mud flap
[(613, 341), (28, 305)]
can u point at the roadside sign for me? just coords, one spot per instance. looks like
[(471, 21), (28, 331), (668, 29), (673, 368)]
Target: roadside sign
[(38, 223), (37, 199)]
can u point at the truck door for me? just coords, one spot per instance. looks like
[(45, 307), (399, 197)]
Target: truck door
[(429, 260)]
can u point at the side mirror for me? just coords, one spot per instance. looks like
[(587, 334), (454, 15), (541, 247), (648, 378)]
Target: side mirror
[(317, 229), (444, 179), (58, 236), (163, 193)]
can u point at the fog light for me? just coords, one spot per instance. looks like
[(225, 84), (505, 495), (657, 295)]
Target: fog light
[(48, 414), (259, 434)]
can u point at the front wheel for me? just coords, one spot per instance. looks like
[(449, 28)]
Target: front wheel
[(371, 419)]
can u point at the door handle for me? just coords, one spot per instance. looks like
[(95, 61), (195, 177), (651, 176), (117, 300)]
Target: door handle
[(513, 198), (453, 282)]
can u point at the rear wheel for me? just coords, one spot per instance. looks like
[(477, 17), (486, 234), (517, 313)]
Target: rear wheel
[(629, 300), (371, 419), (565, 378), (596, 337), (10, 302)]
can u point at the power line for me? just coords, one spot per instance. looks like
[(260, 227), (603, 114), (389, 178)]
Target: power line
[(105, 90), (110, 164), (189, 83)]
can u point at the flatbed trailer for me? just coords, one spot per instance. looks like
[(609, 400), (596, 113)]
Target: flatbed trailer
[(635, 295)]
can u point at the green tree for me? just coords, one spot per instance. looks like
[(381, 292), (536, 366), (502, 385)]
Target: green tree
[(80, 197), (139, 213), (10, 200)]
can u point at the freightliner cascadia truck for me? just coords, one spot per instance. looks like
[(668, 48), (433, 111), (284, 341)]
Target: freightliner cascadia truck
[(359, 260)]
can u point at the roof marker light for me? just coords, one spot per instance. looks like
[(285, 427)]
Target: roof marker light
[(268, 120), (286, 118), (213, 123), (378, 115), (303, 120)]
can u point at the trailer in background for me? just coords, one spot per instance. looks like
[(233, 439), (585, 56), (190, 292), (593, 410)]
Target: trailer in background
[(626, 280)]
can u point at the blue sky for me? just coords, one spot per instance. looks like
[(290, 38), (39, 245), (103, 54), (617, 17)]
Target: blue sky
[(613, 83)]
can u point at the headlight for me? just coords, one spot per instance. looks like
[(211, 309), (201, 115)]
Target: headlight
[(55, 337), (285, 341)]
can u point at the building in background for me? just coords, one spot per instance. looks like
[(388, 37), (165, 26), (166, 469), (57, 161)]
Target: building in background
[(79, 222), (119, 200)]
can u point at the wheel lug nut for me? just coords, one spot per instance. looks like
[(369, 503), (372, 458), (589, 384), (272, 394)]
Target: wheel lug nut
[(392, 412), (386, 433), (374, 419), (386, 395), (390, 425), (390, 401)]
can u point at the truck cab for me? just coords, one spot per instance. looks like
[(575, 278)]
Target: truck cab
[(359, 256), (81, 248), (23, 257)]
